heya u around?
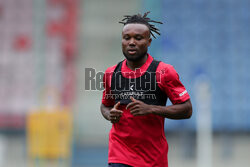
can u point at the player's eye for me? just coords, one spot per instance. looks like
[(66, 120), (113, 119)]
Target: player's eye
[(126, 37), (138, 38)]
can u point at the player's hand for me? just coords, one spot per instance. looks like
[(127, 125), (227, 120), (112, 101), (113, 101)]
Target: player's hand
[(138, 107), (115, 114)]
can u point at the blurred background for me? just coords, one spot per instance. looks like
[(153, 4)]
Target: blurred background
[(48, 119)]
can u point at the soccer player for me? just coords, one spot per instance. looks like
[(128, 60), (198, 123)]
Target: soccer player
[(134, 99)]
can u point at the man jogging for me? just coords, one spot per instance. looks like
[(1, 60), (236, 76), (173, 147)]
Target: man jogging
[(135, 96)]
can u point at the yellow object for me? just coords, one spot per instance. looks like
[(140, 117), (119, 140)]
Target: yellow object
[(49, 133)]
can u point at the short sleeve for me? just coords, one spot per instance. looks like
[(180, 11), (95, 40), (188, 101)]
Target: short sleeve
[(170, 83), (107, 99)]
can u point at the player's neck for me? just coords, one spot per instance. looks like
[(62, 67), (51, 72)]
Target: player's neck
[(137, 64)]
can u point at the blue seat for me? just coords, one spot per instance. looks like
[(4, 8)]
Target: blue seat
[(199, 34)]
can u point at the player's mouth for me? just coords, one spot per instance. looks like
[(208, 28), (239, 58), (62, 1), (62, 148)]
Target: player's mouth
[(132, 51)]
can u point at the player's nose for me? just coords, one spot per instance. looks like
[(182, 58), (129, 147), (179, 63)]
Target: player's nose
[(131, 42)]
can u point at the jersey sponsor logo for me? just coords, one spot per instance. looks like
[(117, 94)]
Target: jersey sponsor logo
[(127, 95)]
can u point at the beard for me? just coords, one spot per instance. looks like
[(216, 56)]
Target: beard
[(135, 58)]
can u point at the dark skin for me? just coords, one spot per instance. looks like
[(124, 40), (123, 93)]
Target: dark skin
[(135, 42)]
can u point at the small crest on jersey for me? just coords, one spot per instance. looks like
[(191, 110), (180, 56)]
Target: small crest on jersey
[(183, 93)]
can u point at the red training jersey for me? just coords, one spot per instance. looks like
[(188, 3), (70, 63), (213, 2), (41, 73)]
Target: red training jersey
[(140, 141)]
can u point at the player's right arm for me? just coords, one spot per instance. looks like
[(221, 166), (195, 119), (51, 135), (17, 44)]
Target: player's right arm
[(109, 109), (112, 114)]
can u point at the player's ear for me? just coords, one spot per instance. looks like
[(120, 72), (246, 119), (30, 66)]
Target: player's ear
[(149, 41)]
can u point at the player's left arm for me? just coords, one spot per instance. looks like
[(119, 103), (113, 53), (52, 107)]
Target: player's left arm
[(169, 82), (176, 111)]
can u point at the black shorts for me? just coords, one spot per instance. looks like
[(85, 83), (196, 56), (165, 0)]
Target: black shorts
[(118, 165)]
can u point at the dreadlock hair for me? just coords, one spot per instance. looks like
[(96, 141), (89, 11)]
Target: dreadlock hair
[(142, 20)]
